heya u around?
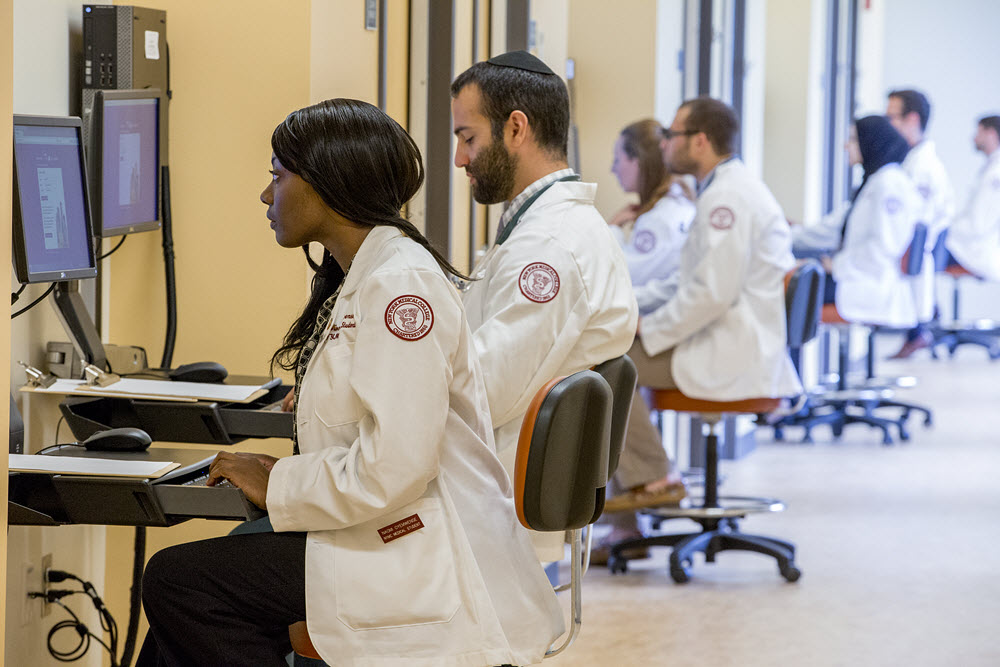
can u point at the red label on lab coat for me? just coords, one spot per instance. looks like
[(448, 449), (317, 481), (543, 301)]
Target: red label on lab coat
[(400, 528)]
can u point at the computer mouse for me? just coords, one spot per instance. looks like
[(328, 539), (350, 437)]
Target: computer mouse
[(119, 440), (199, 371)]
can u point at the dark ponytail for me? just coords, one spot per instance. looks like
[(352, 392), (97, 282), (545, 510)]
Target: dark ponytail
[(365, 167)]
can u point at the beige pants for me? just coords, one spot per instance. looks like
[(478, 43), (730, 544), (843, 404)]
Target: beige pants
[(643, 458)]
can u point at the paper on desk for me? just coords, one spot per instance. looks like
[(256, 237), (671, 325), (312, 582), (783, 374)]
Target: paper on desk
[(78, 465), (160, 389)]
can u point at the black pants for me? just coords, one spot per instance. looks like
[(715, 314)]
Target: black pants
[(225, 602)]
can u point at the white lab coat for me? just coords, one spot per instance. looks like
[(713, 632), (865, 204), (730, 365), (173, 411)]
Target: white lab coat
[(974, 236), (822, 236), (871, 287), (726, 317), (393, 422), (525, 342), (937, 209), (654, 248)]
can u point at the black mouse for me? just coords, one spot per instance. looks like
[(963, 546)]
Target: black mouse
[(199, 371), (119, 440)]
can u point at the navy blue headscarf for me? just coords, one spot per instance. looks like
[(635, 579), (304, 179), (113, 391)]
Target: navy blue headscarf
[(880, 144)]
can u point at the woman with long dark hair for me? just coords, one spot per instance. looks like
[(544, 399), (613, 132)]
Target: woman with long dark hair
[(395, 536)]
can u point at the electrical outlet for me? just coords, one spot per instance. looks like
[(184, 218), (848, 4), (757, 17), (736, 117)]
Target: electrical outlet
[(29, 582), (46, 566)]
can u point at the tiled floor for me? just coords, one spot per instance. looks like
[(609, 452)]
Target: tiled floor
[(899, 548)]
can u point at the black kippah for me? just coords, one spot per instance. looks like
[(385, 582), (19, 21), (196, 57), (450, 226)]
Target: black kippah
[(521, 60)]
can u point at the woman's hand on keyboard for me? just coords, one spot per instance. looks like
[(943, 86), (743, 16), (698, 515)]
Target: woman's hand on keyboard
[(264, 459), (245, 471)]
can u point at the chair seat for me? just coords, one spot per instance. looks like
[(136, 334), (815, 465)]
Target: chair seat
[(957, 271), (301, 642), (831, 315), (673, 399)]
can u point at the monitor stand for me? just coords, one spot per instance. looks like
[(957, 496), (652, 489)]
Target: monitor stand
[(76, 320)]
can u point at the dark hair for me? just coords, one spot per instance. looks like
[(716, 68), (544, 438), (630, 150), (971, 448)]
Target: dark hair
[(914, 100), (365, 167), (991, 123), (543, 98), (716, 119), (641, 141), (880, 144)]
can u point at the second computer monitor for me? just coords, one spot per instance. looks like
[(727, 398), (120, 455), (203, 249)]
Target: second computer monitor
[(125, 161)]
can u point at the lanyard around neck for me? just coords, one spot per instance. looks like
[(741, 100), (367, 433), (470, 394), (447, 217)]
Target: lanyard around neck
[(516, 218)]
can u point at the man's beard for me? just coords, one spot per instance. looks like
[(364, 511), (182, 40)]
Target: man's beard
[(493, 170)]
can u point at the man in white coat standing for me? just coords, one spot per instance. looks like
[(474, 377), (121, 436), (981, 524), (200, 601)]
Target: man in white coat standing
[(909, 111), (974, 237), (720, 333), (552, 296)]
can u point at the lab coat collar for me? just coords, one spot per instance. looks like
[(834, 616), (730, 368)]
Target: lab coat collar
[(703, 185), (370, 248)]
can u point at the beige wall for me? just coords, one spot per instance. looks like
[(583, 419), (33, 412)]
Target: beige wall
[(614, 46), (6, 139)]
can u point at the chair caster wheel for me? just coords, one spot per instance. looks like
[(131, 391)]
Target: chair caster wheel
[(791, 573), (838, 430), (904, 435), (779, 435), (928, 422), (679, 575), (617, 565)]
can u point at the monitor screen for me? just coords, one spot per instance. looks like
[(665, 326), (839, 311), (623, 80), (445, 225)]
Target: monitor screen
[(127, 162), (52, 226)]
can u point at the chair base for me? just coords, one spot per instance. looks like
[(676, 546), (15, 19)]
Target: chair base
[(951, 339), (719, 529), (717, 535)]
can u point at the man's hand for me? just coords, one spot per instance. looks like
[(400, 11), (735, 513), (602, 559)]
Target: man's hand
[(249, 472)]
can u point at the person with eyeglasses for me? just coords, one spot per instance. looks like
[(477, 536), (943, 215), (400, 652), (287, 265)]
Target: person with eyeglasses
[(719, 331)]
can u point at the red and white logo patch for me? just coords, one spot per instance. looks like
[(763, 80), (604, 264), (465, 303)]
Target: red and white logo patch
[(409, 317), (539, 282), (721, 218), (644, 241)]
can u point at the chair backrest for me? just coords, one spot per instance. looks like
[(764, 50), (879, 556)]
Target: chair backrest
[(803, 302), (913, 258), (621, 376), (562, 453)]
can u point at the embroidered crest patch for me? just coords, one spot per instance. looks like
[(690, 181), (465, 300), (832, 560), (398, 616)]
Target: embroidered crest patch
[(539, 282), (892, 205), (644, 241), (409, 317), (721, 218)]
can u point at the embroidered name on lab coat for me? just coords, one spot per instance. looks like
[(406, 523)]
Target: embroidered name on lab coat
[(335, 328), (721, 218), (539, 282), (645, 240), (400, 528), (409, 317)]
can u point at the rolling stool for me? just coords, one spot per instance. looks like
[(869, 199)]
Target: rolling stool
[(984, 333), (718, 516), (568, 447), (845, 403)]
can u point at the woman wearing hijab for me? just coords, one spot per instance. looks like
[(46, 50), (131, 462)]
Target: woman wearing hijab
[(867, 282)]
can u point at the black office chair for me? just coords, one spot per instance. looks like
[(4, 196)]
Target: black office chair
[(718, 516)]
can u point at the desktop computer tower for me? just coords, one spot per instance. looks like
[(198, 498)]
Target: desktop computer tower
[(124, 47)]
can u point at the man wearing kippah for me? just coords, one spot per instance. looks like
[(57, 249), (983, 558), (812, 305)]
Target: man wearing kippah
[(552, 296)]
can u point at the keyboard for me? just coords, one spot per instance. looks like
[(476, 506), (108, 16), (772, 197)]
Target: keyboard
[(202, 480)]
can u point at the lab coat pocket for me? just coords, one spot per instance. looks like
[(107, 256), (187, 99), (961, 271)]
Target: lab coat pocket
[(335, 402), (398, 570)]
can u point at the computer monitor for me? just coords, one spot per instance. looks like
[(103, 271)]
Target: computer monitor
[(124, 155), (52, 224)]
